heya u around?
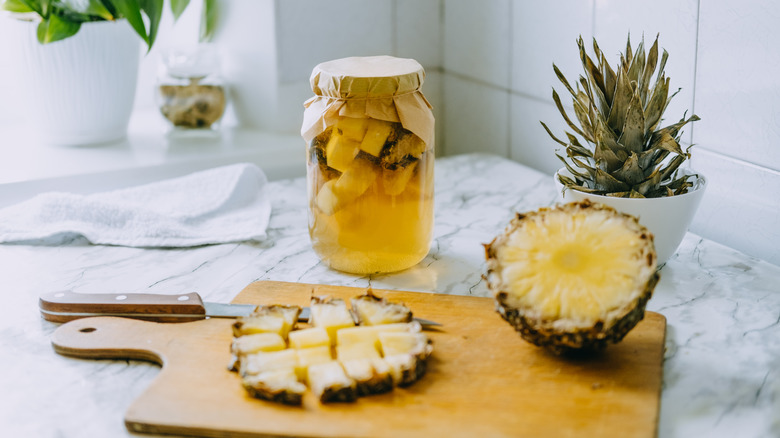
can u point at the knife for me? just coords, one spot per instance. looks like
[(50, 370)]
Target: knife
[(66, 305)]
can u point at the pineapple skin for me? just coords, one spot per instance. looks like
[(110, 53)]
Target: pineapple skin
[(542, 332)]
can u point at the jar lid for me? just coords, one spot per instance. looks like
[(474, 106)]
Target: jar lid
[(366, 76)]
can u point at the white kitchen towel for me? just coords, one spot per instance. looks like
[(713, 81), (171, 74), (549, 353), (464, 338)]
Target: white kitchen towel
[(224, 204)]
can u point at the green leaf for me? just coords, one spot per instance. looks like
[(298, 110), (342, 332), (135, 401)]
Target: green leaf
[(633, 132), (652, 60), (630, 173), (608, 183), (178, 6), (552, 135), (96, 7), (131, 10), (209, 18), (657, 104), (623, 94), (153, 10), (571, 124), (56, 28), (19, 6)]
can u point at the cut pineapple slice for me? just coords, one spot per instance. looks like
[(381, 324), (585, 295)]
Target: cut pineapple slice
[(574, 276), (416, 344), (330, 314), (364, 350), (356, 178), (371, 376), (394, 181), (340, 152), (257, 363), (311, 356), (268, 319), (279, 385), (376, 136), (372, 310), (370, 334), (328, 382), (405, 368), (250, 344), (353, 128), (308, 338)]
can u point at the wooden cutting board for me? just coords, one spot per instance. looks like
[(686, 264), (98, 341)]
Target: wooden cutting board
[(483, 380)]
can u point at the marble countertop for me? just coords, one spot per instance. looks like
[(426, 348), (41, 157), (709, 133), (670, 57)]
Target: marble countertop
[(722, 360)]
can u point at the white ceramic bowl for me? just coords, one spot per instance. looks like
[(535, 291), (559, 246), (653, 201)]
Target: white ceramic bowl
[(668, 218)]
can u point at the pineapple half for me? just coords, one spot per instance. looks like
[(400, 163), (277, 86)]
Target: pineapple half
[(575, 276)]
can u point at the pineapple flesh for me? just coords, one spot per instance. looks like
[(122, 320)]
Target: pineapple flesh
[(576, 276), (335, 359)]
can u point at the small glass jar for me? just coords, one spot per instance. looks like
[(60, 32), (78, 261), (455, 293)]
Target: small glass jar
[(190, 92), (370, 164)]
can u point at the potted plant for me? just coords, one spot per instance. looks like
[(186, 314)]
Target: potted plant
[(628, 161), (76, 62)]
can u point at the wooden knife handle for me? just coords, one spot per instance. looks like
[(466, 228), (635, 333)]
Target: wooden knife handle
[(62, 306)]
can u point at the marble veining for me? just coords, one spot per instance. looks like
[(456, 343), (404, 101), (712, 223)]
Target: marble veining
[(721, 373)]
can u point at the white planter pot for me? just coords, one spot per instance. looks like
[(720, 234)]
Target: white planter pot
[(667, 218), (79, 90)]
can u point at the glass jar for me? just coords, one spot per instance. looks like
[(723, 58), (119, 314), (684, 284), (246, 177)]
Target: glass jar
[(190, 92), (370, 162)]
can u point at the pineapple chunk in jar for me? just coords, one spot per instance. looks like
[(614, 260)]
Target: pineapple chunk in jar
[(371, 196)]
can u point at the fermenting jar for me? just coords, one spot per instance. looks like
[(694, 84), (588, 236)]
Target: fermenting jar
[(370, 154)]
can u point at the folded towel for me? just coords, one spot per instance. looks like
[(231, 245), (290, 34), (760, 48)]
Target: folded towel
[(224, 204)]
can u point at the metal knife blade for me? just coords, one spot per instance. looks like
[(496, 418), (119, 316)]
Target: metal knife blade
[(62, 306)]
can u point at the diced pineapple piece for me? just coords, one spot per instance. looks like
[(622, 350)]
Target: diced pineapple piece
[(371, 376), (355, 180), (308, 338), (376, 136), (405, 368), (394, 181), (250, 344), (393, 343), (268, 319), (328, 382), (279, 385), (340, 152), (327, 201), (330, 314), (365, 350), (353, 128), (373, 310), (370, 334), (253, 324), (268, 361), (311, 356)]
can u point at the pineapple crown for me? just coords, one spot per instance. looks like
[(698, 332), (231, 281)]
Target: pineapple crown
[(618, 114)]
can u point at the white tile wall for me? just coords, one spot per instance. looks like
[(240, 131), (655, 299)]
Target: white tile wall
[(530, 143), (477, 36), (418, 31), (738, 80), (476, 117), (313, 31), (544, 33)]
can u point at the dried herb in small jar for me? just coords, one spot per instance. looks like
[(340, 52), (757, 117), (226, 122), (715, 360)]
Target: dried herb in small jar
[(193, 105)]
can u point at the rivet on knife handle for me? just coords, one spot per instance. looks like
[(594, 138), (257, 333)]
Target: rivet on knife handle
[(67, 305)]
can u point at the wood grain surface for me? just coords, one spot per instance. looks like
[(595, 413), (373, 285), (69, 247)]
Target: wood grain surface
[(483, 380)]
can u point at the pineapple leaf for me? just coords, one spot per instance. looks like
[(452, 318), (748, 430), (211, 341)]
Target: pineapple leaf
[(571, 169), (633, 135), (675, 128), (593, 73), (559, 105), (563, 80), (652, 60), (608, 183), (582, 116), (649, 184), (623, 95), (610, 80), (605, 158), (637, 66), (670, 168), (657, 104), (630, 172), (629, 56), (635, 194), (663, 140), (553, 135)]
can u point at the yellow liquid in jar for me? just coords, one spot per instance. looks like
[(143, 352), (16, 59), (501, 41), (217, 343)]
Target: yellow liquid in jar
[(388, 227)]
